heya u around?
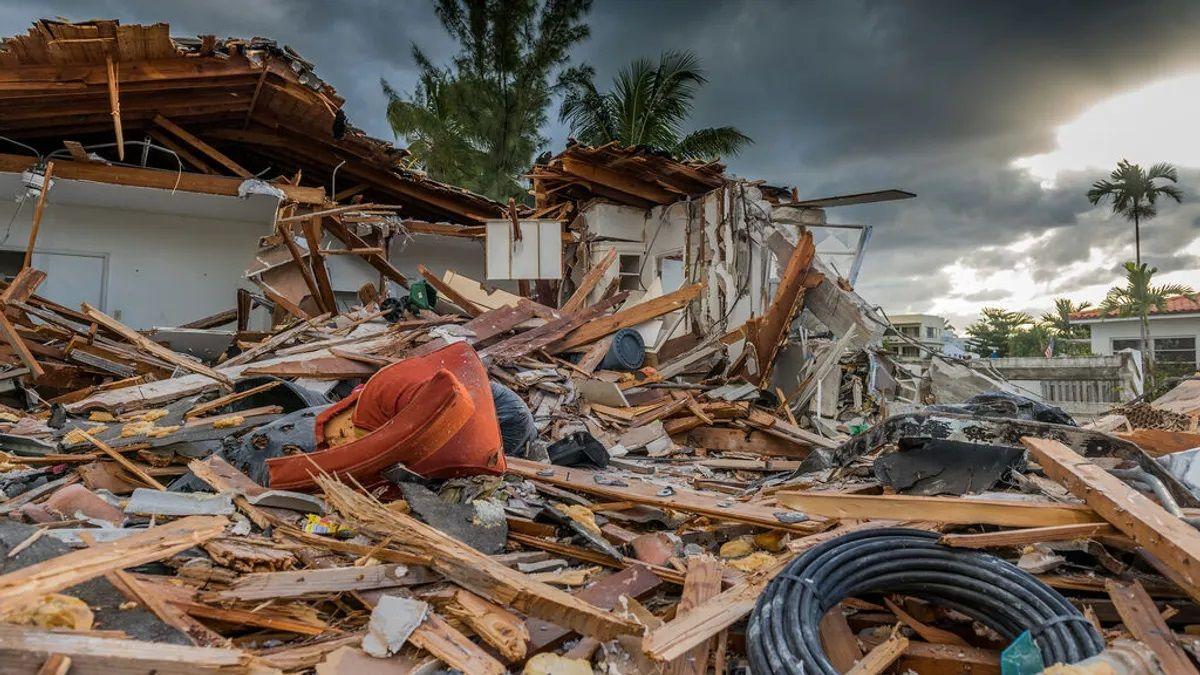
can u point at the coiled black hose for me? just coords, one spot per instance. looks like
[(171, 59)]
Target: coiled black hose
[(782, 636)]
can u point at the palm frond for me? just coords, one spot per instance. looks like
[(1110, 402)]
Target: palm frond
[(711, 143)]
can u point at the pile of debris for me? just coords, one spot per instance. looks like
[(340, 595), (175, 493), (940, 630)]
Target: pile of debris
[(631, 523), (670, 442)]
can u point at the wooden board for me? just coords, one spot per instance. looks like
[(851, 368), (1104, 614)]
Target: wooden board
[(151, 347), (626, 318), (680, 499), (22, 650), (64, 571), (297, 583), (1159, 442), (1026, 536), (883, 655), (1141, 618), (1172, 541), (702, 583), (937, 509), (636, 582)]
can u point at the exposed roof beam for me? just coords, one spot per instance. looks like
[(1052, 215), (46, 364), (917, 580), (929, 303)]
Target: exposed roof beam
[(618, 181), (203, 147), (860, 198)]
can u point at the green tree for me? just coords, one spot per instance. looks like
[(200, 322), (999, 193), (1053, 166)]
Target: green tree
[(997, 331), (476, 122), (1136, 298), (1134, 194), (648, 105), (1059, 325)]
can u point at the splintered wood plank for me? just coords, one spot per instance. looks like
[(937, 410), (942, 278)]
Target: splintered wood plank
[(1175, 543), (23, 286), (448, 291), (352, 240), (296, 583), (114, 102), (151, 347), (531, 340), (312, 236), (766, 333), (1029, 535), (937, 509), (579, 298), (436, 636), (23, 585), (14, 340), (1141, 618), (1159, 442), (640, 492), (25, 649), (702, 583), (883, 655), (495, 625), (38, 209), (208, 150), (473, 570), (639, 313)]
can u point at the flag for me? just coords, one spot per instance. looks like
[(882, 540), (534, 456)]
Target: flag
[(1050, 347)]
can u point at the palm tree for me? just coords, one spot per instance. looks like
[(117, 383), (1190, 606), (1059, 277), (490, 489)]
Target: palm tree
[(1059, 325), (476, 122), (648, 105), (1134, 194), (1136, 298)]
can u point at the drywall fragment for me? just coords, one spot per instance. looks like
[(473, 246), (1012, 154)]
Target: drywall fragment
[(392, 621)]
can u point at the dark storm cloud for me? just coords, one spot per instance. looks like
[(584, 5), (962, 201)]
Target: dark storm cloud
[(840, 96)]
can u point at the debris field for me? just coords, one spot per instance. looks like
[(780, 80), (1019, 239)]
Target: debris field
[(608, 469)]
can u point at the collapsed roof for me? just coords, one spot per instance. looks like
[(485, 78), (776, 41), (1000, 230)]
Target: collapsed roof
[(225, 106)]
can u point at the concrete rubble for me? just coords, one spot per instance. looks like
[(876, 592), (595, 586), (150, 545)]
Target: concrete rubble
[(330, 480)]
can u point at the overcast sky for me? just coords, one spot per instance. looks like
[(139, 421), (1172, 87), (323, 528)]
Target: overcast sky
[(998, 115)]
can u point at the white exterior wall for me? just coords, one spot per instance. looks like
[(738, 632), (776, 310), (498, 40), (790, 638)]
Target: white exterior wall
[(1105, 331), (148, 257)]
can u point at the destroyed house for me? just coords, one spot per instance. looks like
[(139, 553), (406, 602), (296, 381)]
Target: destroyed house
[(719, 246), (168, 160)]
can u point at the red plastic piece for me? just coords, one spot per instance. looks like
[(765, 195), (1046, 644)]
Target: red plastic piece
[(433, 413)]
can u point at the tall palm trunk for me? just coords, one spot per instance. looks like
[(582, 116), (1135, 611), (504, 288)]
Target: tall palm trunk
[(1147, 346)]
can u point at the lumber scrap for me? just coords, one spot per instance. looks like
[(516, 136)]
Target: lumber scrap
[(23, 286), (702, 583), (678, 499), (626, 318), (1141, 618), (151, 347), (10, 335), (1026, 536), (531, 340), (450, 293), (381, 264), (208, 150), (24, 650), (937, 509), (38, 209), (586, 285), (495, 625), (436, 636), (841, 646), (473, 570), (765, 334), (1175, 543), (298, 583), (129, 466), (64, 571), (883, 655)]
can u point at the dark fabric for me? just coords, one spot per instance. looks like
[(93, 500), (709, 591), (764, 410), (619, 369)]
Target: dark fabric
[(516, 422)]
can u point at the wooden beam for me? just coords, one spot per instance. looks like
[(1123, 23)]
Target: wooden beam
[(14, 340), (1026, 536), (254, 97), (767, 333), (936, 509), (206, 149), (37, 215), (622, 182), (1141, 618), (285, 233), (1175, 543), (155, 178), (312, 236), (77, 152), (702, 583), (639, 313), (28, 583), (709, 504), (184, 154), (579, 298), (452, 295), (351, 191), (379, 262), (151, 347), (114, 102), (23, 649)]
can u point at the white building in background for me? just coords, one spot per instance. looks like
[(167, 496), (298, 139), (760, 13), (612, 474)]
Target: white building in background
[(1174, 333), (929, 330)]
